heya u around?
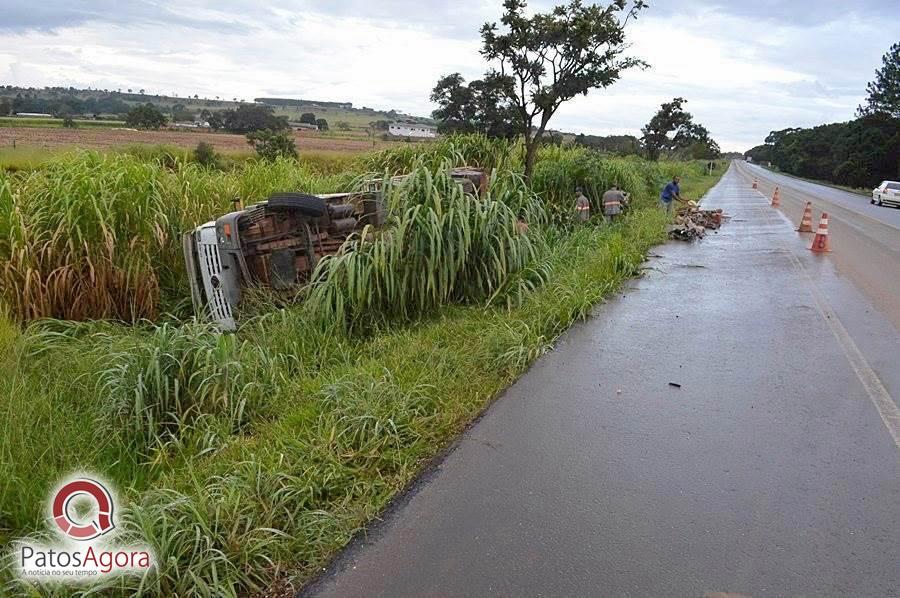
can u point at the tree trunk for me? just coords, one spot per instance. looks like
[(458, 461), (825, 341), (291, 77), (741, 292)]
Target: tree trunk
[(531, 146)]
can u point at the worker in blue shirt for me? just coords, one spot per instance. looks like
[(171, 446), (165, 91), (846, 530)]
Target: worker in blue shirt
[(671, 192)]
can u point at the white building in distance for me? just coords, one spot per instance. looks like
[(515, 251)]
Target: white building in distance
[(415, 130)]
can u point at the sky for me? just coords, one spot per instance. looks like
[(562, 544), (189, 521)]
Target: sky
[(745, 67)]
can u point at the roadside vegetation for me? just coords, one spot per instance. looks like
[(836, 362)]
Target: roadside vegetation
[(252, 457), (247, 460)]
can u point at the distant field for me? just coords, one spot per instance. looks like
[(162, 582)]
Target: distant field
[(51, 123), (34, 138), (357, 119)]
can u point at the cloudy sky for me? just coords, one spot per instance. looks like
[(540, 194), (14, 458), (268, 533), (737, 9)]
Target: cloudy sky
[(746, 67)]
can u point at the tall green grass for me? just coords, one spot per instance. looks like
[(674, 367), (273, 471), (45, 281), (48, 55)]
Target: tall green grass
[(247, 458), (461, 150), (97, 236), (441, 246)]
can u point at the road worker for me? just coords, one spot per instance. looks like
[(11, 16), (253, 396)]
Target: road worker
[(582, 206), (670, 194), (613, 202)]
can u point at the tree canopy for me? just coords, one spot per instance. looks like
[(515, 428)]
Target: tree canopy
[(482, 106), (884, 91), (145, 116), (672, 130), (250, 117), (537, 62)]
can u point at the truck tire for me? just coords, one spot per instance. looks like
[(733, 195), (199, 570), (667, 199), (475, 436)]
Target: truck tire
[(308, 205)]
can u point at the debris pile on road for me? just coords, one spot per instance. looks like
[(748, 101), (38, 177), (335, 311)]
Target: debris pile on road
[(691, 222)]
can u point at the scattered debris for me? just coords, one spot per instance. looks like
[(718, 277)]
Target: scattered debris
[(691, 222)]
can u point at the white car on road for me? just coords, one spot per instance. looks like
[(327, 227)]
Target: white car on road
[(887, 193)]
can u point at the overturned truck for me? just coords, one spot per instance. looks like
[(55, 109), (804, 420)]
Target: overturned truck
[(277, 243)]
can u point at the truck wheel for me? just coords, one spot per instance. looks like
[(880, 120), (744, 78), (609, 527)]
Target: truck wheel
[(308, 205)]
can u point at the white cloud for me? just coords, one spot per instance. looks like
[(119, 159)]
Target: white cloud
[(744, 72)]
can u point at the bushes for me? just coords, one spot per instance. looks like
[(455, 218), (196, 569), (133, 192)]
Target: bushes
[(560, 170), (205, 155), (271, 145), (80, 239)]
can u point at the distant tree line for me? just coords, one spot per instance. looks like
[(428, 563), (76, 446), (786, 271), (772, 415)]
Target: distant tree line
[(859, 153), (621, 145), (62, 105), (284, 102)]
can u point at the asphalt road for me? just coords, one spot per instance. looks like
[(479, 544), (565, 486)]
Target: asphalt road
[(865, 238), (772, 471)]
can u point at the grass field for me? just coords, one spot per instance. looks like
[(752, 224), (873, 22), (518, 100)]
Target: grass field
[(46, 138), (247, 460), (54, 123)]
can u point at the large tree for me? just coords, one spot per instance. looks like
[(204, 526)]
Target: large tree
[(145, 116), (694, 142), (482, 106), (884, 91), (669, 121), (252, 117), (672, 130), (547, 59)]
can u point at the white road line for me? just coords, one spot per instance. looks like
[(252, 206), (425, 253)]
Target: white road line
[(881, 398), (832, 204)]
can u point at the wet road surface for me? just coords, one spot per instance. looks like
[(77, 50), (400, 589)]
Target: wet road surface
[(772, 471), (865, 238), (833, 197)]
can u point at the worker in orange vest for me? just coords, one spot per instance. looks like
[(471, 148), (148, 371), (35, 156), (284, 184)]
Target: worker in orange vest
[(613, 201), (582, 206)]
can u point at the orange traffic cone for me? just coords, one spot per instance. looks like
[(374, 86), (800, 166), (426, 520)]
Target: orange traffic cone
[(776, 198), (806, 223), (820, 243), (755, 184)]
